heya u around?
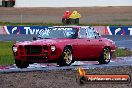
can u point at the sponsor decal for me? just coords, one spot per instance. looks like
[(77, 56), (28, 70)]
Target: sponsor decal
[(100, 29), (32, 29), (25, 29), (102, 78), (107, 30), (119, 30)]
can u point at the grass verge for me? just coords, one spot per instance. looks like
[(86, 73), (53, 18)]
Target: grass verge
[(6, 55), (122, 53)]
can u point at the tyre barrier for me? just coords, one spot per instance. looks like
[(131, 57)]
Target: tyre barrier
[(8, 3)]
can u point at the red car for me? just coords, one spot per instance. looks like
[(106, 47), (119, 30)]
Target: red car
[(64, 45)]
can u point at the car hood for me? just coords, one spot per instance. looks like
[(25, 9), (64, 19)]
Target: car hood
[(43, 42)]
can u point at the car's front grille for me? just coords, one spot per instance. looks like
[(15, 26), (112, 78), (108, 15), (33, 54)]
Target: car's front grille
[(45, 47), (33, 49)]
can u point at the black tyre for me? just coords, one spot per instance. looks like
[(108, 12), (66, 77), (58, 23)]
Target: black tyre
[(77, 21), (105, 56), (21, 64), (64, 21), (72, 21), (67, 57), (9, 4), (4, 3), (13, 3)]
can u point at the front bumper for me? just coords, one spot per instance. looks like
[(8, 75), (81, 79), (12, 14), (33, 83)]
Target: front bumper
[(36, 53), (37, 58)]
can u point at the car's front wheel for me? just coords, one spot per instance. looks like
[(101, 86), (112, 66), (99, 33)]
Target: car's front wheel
[(67, 57), (21, 64), (105, 56)]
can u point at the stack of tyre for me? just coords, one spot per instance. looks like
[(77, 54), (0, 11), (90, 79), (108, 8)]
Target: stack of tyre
[(8, 3), (71, 18)]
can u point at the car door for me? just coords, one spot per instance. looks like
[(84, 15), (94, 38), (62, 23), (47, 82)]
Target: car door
[(82, 45), (95, 43)]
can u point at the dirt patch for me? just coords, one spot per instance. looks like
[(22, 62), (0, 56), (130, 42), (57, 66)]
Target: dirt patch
[(59, 79), (90, 15)]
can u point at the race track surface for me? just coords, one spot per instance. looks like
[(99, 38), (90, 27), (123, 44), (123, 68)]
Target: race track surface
[(120, 41), (61, 78), (126, 61), (90, 15)]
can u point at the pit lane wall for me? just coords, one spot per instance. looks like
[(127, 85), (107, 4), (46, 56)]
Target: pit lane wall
[(71, 3), (103, 30)]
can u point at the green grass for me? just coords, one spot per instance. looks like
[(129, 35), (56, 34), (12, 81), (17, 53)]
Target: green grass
[(122, 20), (122, 53), (6, 55), (56, 24)]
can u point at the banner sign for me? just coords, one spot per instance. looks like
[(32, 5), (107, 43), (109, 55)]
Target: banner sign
[(119, 30), (25, 29), (103, 30), (39, 29)]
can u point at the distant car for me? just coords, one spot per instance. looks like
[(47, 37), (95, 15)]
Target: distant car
[(64, 45)]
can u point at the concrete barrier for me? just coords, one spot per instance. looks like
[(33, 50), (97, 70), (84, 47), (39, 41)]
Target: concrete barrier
[(71, 3)]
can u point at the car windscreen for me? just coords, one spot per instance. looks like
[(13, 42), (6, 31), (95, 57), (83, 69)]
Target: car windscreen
[(58, 33)]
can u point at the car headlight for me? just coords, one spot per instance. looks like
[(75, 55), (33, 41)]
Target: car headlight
[(53, 48), (15, 49)]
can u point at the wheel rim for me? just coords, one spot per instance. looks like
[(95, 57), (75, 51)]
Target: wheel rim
[(68, 56), (107, 55)]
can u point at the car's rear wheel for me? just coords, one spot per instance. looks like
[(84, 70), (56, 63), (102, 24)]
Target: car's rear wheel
[(67, 57), (105, 56), (21, 64)]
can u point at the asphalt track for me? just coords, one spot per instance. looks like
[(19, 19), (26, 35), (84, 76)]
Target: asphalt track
[(127, 61), (120, 41)]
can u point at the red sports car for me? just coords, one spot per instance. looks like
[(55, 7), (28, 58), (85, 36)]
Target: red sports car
[(64, 45)]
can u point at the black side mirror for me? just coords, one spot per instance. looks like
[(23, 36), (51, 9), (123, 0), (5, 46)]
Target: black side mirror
[(34, 38)]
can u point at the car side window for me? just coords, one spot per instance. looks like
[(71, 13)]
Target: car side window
[(82, 33), (97, 36), (90, 33)]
